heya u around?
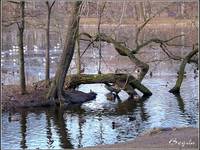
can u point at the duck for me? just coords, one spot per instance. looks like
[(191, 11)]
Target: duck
[(136, 97), (195, 71), (110, 96), (131, 118), (151, 74), (14, 118), (82, 70), (112, 88), (195, 76), (167, 84), (115, 125), (82, 120)]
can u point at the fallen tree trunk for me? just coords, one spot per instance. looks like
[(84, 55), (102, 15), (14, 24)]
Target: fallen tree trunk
[(123, 81), (176, 88), (142, 68)]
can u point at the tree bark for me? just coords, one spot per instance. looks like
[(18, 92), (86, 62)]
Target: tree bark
[(124, 51), (47, 64), (56, 89), (176, 88), (78, 59), (99, 31), (47, 49), (123, 81), (21, 49)]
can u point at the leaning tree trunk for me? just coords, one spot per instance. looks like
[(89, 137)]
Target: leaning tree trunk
[(124, 51), (56, 89), (21, 49), (176, 88)]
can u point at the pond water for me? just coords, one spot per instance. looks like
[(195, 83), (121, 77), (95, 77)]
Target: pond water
[(101, 121)]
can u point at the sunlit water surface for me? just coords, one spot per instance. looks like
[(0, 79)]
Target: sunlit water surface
[(101, 121)]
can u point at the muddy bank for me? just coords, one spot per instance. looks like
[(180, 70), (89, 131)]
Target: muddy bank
[(36, 97), (177, 138), (12, 99)]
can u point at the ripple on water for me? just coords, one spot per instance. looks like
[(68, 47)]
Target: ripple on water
[(101, 121)]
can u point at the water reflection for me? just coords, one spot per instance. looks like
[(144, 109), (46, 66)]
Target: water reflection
[(23, 123), (49, 132), (144, 114), (80, 124), (61, 128), (190, 118), (76, 127), (180, 102), (35, 61)]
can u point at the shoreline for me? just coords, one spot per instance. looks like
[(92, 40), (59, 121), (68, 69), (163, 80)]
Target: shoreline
[(159, 138), (11, 99)]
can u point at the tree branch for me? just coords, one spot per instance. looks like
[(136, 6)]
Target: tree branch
[(145, 23), (52, 4), (14, 2), (154, 40)]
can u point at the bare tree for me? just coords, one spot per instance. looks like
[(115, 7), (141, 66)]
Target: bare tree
[(20, 41), (124, 50), (78, 54), (21, 48), (47, 66), (99, 32), (56, 89)]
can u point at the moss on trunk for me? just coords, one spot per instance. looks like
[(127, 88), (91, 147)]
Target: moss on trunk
[(176, 88)]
